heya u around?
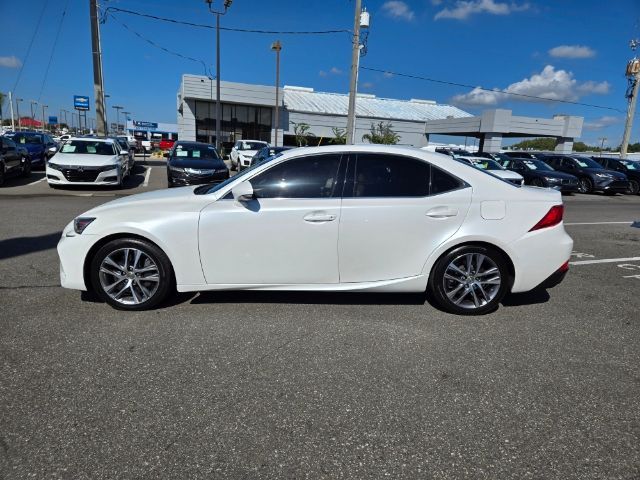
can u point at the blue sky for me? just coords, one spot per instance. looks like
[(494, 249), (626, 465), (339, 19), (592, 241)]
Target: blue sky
[(567, 49)]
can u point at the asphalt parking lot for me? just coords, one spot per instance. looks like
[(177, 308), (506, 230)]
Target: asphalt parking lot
[(306, 385)]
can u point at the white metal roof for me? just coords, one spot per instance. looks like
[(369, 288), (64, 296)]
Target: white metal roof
[(306, 100)]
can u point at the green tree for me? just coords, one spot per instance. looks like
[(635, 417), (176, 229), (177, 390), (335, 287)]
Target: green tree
[(536, 144), (339, 136), (381, 133), (301, 131)]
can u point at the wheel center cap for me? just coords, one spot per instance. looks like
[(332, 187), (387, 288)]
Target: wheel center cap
[(131, 275)]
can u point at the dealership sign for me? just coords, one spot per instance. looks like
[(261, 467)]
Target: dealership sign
[(53, 120), (138, 123), (80, 102)]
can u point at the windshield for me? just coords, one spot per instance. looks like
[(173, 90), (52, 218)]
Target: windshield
[(195, 151), (30, 139), (487, 164), (630, 164), (251, 145), (87, 146), (586, 162), (537, 165)]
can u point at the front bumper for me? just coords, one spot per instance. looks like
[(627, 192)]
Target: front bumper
[(83, 176), (615, 186), (72, 252), (184, 179)]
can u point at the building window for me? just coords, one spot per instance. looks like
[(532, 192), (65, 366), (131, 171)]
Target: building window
[(239, 122)]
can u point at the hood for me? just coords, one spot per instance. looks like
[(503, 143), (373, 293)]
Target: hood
[(83, 159), (172, 196), (247, 153), (554, 174), (613, 173), (506, 174), (197, 163)]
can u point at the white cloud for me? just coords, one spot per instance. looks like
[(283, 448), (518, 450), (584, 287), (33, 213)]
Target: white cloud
[(398, 9), (10, 62), (335, 71), (572, 51), (549, 84), (387, 75), (463, 9), (600, 123), (367, 85)]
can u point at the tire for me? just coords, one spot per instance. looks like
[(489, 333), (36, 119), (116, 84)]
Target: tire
[(131, 291), (536, 182), (2, 174), (634, 187), (585, 185), (456, 292), (26, 167)]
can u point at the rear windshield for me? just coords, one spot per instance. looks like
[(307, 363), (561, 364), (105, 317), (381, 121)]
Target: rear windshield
[(251, 145), (31, 139)]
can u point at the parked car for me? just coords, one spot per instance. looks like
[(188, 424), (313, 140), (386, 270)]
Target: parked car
[(628, 167), (14, 160), (539, 174), (88, 161), (452, 152), (493, 167), (501, 158), (243, 151), (591, 176), (41, 146), (336, 218), (194, 163), (166, 144), (266, 153), (125, 149)]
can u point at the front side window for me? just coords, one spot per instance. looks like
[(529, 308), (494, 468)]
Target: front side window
[(382, 175), (313, 176)]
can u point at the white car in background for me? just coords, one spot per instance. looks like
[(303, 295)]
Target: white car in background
[(88, 161), (493, 167), (335, 218), (243, 151)]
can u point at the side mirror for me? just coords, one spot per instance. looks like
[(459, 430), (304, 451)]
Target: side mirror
[(53, 150), (243, 192)]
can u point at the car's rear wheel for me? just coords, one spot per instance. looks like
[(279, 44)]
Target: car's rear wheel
[(131, 274), (634, 187), (470, 280), (2, 175), (585, 185)]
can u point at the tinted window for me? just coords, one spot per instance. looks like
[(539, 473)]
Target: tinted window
[(380, 175), (314, 176), (442, 182), (194, 150)]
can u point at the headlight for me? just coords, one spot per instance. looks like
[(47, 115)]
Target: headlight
[(106, 168), (604, 175), (553, 179), (80, 223), (220, 170), (176, 169), (54, 166)]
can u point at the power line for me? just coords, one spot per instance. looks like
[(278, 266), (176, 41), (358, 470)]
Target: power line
[(455, 84), (33, 37), (53, 50), (166, 50), (108, 11)]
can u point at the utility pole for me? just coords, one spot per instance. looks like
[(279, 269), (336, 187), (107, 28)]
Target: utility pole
[(633, 74), (18, 100), (277, 46), (33, 117), (13, 126), (353, 84), (218, 14), (43, 109), (98, 81)]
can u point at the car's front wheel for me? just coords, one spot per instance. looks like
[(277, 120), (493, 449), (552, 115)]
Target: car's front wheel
[(634, 187), (470, 280), (131, 274), (585, 185)]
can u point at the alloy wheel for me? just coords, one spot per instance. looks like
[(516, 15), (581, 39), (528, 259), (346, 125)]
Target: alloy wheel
[(129, 276), (634, 187), (471, 280)]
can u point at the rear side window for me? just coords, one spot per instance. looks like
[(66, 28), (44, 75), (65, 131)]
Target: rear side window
[(313, 176), (381, 175), (442, 182)]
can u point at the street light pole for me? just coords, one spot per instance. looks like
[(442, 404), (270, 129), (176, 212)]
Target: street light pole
[(33, 117), (277, 46), (43, 109), (126, 121), (106, 121), (118, 108), (18, 100), (218, 14)]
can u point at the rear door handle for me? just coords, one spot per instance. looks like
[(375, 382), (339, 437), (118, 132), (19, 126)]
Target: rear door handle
[(319, 217), (442, 212)]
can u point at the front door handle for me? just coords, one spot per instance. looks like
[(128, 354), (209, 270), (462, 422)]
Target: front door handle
[(442, 212), (319, 217)]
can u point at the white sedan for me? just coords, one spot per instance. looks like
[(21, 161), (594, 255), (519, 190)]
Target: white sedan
[(339, 218), (88, 161), (493, 167)]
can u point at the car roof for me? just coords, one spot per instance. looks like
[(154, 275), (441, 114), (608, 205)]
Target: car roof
[(191, 142), (93, 139)]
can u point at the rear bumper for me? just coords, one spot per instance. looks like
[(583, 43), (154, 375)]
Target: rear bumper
[(555, 278)]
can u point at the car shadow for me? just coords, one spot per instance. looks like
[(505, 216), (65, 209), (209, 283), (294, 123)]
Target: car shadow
[(533, 297), (14, 247), (22, 181)]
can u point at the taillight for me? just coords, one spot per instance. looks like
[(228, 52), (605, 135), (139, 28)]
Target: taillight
[(553, 217), (564, 267)]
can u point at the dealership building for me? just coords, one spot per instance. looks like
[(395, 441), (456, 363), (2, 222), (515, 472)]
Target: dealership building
[(248, 113)]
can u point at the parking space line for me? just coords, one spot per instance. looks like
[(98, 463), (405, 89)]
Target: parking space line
[(146, 177), (599, 223), (37, 181), (605, 260)]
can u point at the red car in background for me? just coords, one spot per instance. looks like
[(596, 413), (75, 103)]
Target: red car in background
[(166, 144)]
